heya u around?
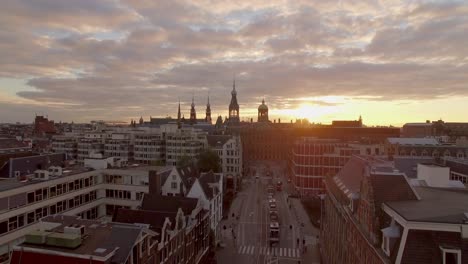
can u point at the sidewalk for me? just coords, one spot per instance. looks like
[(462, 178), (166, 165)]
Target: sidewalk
[(310, 232)]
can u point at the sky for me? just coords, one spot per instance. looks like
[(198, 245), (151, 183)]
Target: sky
[(389, 61)]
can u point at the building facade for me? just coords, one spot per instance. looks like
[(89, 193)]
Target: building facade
[(69, 191), (185, 142), (229, 150)]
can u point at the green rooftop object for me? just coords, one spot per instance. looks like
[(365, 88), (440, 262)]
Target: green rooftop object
[(37, 237), (64, 240)]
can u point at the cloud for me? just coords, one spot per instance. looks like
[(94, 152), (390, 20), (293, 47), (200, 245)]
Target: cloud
[(129, 58)]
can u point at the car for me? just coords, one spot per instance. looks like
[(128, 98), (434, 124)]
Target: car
[(256, 177), (273, 205), (289, 180)]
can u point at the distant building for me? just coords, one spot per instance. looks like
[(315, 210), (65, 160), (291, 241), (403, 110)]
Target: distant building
[(185, 142), (263, 112), (208, 112), (65, 144), (437, 128), (234, 118), (417, 130), (347, 123), (150, 148), (423, 147), (120, 145), (229, 150), (69, 239), (314, 159), (20, 167), (43, 126)]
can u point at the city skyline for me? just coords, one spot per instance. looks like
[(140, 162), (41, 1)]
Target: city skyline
[(392, 62)]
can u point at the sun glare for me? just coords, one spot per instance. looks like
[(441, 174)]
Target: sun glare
[(311, 112)]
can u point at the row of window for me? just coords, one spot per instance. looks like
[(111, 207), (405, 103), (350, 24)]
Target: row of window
[(59, 189), (232, 169), (31, 217), (149, 156), (154, 149), (119, 194), (458, 177), (232, 161)]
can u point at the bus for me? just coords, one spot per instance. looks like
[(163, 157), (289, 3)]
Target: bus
[(274, 233)]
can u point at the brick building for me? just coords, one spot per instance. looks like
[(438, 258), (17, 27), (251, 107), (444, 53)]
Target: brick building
[(353, 218), (181, 225)]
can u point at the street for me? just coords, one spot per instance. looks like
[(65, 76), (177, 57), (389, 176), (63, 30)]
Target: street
[(246, 231)]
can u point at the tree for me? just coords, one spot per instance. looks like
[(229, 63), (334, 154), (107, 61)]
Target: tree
[(184, 161), (209, 160), (157, 163)]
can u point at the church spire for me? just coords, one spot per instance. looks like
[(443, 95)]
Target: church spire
[(234, 106), (178, 116), (208, 111), (193, 114)]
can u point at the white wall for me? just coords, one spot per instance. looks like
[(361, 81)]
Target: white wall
[(435, 176)]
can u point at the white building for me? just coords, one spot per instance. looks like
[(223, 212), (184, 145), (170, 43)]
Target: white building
[(65, 144), (184, 142), (150, 148), (79, 191), (229, 150), (209, 189), (177, 182), (119, 145)]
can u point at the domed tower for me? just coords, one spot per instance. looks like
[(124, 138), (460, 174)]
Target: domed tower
[(208, 112), (234, 106), (263, 112)]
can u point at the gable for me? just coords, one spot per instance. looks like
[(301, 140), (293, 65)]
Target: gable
[(173, 177), (197, 191)]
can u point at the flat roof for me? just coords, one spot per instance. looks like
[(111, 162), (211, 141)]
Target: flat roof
[(13, 183), (440, 205), (414, 141), (100, 238)]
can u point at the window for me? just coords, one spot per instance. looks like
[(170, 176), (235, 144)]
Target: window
[(53, 209), (3, 227), (20, 220), (31, 197), (31, 218), (12, 223), (451, 255), (174, 185), (53, 191)]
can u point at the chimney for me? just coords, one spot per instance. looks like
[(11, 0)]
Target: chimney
[(154, 182)]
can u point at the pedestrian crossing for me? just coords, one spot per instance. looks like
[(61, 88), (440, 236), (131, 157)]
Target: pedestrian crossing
[(269, 251)]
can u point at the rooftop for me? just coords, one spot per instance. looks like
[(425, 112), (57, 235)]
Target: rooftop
[(13, 183), (9, 143), (440, 205), (414, 141), (153, 202), (101, 239)]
